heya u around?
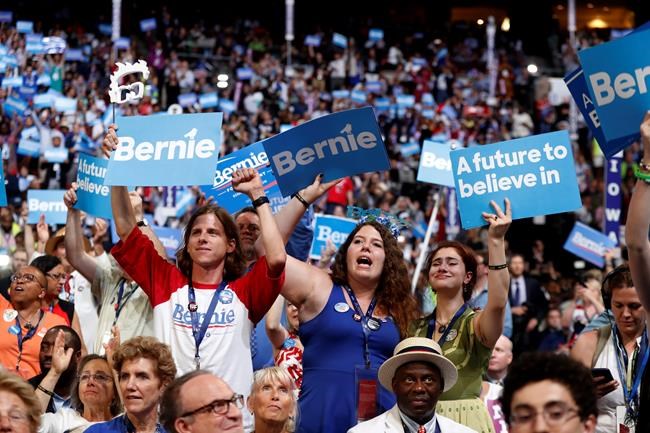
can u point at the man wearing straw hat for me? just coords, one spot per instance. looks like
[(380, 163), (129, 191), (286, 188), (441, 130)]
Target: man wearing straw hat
[(417, 373)]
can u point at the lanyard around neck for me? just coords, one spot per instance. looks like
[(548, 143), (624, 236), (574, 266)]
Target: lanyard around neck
[(365, 318), (199, 330)]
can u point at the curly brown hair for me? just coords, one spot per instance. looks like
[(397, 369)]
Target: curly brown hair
[(469, 260), (234, 262), (393, 291), (148, 348)]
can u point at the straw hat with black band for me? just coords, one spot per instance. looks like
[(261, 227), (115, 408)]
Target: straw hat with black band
[(52, 243), (417, 349)]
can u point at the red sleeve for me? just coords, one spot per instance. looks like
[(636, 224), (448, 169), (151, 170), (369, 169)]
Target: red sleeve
[(257, 290), (139, 259)]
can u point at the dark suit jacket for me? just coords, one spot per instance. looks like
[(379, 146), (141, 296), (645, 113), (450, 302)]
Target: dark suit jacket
[(535, 299)]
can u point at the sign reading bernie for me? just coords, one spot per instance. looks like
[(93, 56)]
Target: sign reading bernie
[(48, 203), (589, 244), (536, 173), (166, 150), (338, 145), (329, 228)]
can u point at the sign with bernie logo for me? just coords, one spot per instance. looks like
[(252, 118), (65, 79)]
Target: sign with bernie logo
[(49, 203), (337, 145), (536, 173), (252, 156), (588, 244), (616, 74), (170, 238), (166, 150), (332, 228), (435, 164)]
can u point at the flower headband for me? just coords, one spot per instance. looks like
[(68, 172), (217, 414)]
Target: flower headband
[(393, 223)]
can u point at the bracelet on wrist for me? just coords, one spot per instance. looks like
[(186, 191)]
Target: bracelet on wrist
[(497, 267), (50, 393), (642, 175), (260, 201), (643, 166), (301, 200)]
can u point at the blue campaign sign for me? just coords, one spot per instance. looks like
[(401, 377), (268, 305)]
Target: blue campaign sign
[(374, 86), (13, 105), (29, 147), (122, 43), (3, 191), (208, 100), (74, 55), (358, 96), (312, 40), (49, 203), (435, 164), (65, 105), (244, 74), (337, 145), (409, 149), (105, 29), (170, 238), (12, 82), (187, 99), (148, 24), (375, 35), (226, 105), (406, 101), (328, 227), (44, 80), (252, 156), (6, 16), (339, 40), (588, 244), (166, 150), (382, 103), (55, 154), (539, 166), (25, 26), (93, 196), (341, 94), (43, 100), (616, 77)]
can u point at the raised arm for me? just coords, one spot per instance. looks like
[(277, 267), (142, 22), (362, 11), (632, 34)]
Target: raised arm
[(75, 252), (638, 222), (60, 362), (247, 181), (490, 321), (123, 214), (274, 329)]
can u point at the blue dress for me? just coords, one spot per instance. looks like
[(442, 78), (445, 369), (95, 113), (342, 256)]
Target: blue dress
[(334, 345)]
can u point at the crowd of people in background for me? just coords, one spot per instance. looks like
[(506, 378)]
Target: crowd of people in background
[(106, 332)]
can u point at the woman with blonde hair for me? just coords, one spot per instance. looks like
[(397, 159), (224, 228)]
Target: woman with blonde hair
[(273, 401)]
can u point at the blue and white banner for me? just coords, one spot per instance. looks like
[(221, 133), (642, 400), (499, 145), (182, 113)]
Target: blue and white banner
[(43, 100), (341, 94), (54, 45), (166, 150), (337, 145), (374, 86), (3, 191), (375, 35), (358, 96), (105, 29), (251, 156), (148, 24), (209, 100), (44, 80), (65, 105), (74, 55), (588, 244), (6, 16), (332, 228), (577, 85), (48, 203), (187, 99), (613, 195), (244, 74), (55, 154), (13, 105), (406, 101), (539, 166), (616, 74), (382, 103), (227, 105), (122, 43), (92, 195), (34, 44), (16, 81), (170, 238), (409, 149), (312, 40), (435, 164), (25, 26), (339, 40)]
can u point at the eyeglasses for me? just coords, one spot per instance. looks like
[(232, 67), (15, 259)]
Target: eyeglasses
[(218, 407), (56, 276), (554, 414), (16, 417), (30, 278), (97, 377)]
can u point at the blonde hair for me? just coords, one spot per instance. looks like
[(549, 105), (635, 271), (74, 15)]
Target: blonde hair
[(16, 385), (280, 375)]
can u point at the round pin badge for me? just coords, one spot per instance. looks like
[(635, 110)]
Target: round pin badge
[(288, 343), (226, 296), (452, 334), (192, 306), (374, 324), (9, 315), (356, 317), (341, 307)]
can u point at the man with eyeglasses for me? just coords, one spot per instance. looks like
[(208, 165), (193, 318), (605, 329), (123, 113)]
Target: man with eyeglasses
[(200, 402), (546, 392), (24, 323)]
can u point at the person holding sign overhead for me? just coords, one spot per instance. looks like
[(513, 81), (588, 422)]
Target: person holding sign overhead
[(636, 237), (208, 282), (467, 337)]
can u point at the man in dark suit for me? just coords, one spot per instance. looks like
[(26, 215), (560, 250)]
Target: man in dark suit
[(528, 303), (60, 396)]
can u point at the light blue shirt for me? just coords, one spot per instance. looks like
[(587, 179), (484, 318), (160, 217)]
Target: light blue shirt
[(480, 301), (413, 426)]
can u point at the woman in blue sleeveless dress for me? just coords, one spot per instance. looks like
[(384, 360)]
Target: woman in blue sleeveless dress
[(350, 323)]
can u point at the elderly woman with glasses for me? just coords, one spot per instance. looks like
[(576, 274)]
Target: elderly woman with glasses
[(23, 323), (144, 368), (273, 401), (200, 402), (94, 394), (19, 407)]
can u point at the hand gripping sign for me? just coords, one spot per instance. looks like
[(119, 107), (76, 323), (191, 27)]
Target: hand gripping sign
[(134, 91)]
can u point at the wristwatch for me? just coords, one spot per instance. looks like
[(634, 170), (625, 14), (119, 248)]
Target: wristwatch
[(142, 223)]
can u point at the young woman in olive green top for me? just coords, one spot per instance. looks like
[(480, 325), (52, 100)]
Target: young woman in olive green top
[(467, 337)]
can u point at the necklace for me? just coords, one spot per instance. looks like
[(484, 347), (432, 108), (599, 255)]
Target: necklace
[(27, 324), (443, 327)]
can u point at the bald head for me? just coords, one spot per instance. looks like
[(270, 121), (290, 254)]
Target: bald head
[(500, 359)]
